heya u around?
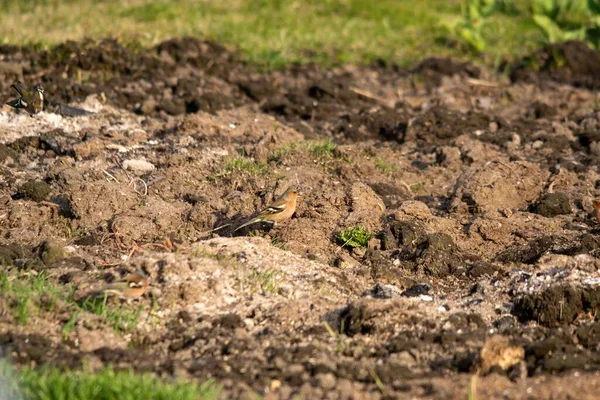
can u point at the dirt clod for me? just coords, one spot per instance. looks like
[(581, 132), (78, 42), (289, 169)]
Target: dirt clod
[(33, 190)]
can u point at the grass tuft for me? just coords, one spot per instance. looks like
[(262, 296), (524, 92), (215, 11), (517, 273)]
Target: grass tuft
[(385, 167), (324, 149), (28, 296), (244, 165), (122, 319), (278, 155)]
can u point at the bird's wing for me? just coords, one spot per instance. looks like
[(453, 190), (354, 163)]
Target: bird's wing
[(273, 209)]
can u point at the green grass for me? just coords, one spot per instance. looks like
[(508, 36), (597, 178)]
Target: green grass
[(279, 154), (122, 319), (273, 32), (324, 149), (31, 294), (277, 243), (385, 167), (244, 164), (28, 295), (52, 383)]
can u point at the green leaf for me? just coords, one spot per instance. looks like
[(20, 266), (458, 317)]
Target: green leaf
[(594, 6), (547, 8), (472, 37), (486, 7), (592, 36), (551, 30)]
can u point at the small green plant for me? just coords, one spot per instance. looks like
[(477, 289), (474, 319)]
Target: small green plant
[(338, 337), (244, 164), (354, 237), (415, 187), (385, 167), (279, 154), (324, 149), (469, 26)]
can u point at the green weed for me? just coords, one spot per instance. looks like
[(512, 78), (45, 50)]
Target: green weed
[(33, 294), (354, 237)]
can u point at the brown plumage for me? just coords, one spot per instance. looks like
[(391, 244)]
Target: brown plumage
[(281, 209)]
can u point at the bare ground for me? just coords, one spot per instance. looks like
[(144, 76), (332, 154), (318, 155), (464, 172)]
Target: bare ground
[(483, 266)]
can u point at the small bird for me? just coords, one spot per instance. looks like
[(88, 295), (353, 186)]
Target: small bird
[(132, 286), (281, 209), (32, 102), (596, 205)]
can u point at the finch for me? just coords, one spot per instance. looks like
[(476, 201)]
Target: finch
[(32, 102), (281, 209), (132, 286)]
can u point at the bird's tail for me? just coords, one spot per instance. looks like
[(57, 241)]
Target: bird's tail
[(17, 103), (252, 221)]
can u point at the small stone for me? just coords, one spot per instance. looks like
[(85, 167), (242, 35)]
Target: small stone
[(359, 252), (415, 290), (326, 381), (478, 288), (138, 165), (275, 385), (503, 323), (552, 204), (380, 291)]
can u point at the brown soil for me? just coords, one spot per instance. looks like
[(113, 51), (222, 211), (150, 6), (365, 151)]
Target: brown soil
[(478, 192)]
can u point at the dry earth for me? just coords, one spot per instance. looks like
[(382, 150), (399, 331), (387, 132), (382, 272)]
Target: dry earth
[(477, 188)]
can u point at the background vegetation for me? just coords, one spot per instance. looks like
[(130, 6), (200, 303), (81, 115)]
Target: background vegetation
[(279, 32)]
